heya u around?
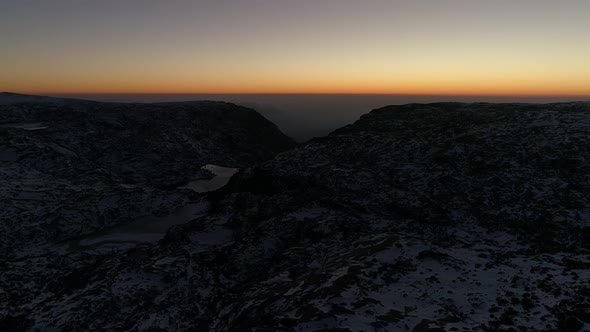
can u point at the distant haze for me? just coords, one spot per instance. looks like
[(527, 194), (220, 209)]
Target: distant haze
[(304, 116)]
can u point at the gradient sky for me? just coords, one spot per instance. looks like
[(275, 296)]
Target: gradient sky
[(483, 47)]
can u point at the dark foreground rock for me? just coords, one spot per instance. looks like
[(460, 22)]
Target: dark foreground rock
[(440, 217)]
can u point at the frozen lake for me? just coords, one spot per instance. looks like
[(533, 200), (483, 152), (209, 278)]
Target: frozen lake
[(152, 228), (222, 176)]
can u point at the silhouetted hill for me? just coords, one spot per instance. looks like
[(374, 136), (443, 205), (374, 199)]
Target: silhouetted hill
[(7, 98)]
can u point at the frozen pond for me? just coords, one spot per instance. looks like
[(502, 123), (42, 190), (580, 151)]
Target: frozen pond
[(222, 176), (145, 229), (152, 228)]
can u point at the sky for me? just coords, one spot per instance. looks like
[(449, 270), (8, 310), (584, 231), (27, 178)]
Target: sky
[(421, 47)]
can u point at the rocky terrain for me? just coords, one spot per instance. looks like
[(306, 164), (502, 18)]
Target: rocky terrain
[(436, 217), (72, 167)]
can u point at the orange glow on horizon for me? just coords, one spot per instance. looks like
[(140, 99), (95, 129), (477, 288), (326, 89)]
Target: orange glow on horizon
[(454, 77), (516, 90)]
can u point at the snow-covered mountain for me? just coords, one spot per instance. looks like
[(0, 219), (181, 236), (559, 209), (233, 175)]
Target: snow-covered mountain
[(422, 217)]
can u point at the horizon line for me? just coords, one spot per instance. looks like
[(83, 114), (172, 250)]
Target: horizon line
[(314, 93)]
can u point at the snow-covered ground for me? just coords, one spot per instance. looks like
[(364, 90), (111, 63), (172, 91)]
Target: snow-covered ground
[(439, 217)]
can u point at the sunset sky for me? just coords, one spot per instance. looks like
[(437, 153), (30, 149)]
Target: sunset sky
[(459, 47)]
